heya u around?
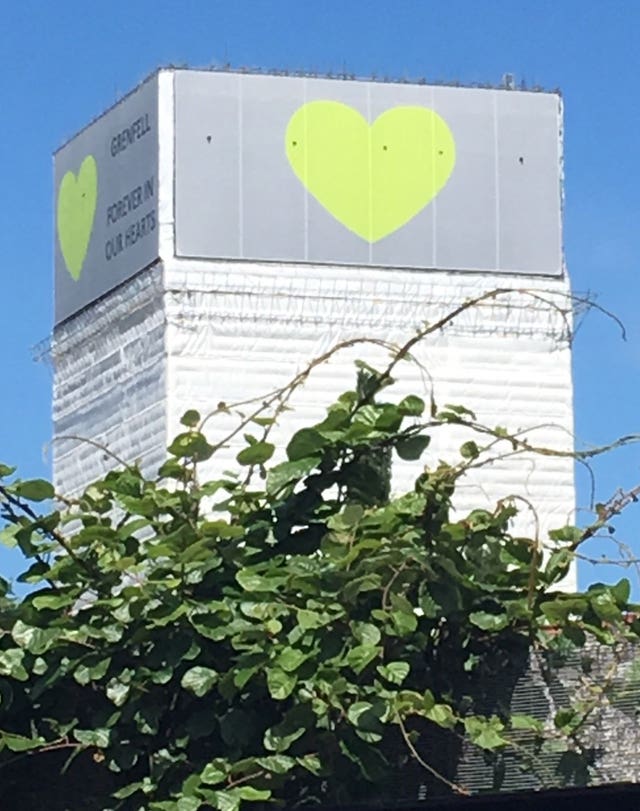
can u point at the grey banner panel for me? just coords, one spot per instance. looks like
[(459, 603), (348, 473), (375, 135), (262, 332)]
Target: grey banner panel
[(283, 232), (528, 158), (466, 210), (367, 173), (210, 146), (106, 190)]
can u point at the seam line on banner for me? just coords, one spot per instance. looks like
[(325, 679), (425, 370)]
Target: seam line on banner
[(305, 190), (370, 123), (240, 169), (496, 175)]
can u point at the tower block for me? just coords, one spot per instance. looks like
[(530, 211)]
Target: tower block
[(217, 231)]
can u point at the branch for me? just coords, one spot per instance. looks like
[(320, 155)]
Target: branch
[(53, 534), (233, 783), (453, 786), (392, 580), (606, 512), (94, 443)]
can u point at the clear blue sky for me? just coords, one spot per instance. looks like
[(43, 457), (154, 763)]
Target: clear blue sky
[(66, 61)]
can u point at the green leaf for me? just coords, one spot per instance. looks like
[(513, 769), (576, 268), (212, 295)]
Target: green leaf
[(568, 534), (93, 737), (256, 454), (295, 723), (174, 469), (20, 743), (11, 664), (411, 406), (411, 448), (558, 564), (35, 640), (34, 490), (213, 773), (199, 680), (360, 656), (452, 413), (133, 788), (250, 581), (404, 623), (188, 804), (312, 619), (469, 450), (557, 611), (351, 515), (605, 607), (6, 470), (252, 794), (394, 672), (485, 733), (442, 715), (190, 418), (86, 673), (575, 635), (410, 702), (225, 800), (304, 443), (39, 666), (429, 606), (8, 535), (277, 764), (273, 627), (527, 722), (565, 719), (367, 718), (366, 633), (289, 473), (488, 622), (290, 659), (621, 591), (263, 421), (51, 601), (357, 709), (311, 763), (118, 692), (191, 445), (280, 683)]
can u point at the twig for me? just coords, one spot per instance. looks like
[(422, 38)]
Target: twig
[(392, 580), (245, 779), (453, 786), (94, 443), (14, 501)]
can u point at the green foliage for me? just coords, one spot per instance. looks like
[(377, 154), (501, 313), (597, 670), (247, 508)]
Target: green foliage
[(212, 645)]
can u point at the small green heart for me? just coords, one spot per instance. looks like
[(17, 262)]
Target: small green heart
[(77, 198), (372, 178)]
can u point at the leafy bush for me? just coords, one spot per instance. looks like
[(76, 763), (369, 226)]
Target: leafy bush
[(290, 632)]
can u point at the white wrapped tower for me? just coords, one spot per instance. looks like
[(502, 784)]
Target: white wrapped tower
[(217, 231)]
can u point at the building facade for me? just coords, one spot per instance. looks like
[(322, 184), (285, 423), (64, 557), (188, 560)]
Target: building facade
[(216, 232)]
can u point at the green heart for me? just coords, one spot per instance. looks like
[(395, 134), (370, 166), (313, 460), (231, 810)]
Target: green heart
[(372, 178), (77, 197)]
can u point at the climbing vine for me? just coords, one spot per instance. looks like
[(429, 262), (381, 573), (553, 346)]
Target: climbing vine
[(289, 631)]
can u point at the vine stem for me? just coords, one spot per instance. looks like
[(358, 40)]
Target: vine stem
[(453, 786), (17, 503), (385, 593), (245, 779)]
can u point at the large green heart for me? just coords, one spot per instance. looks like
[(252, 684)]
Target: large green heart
[(372, 178), (77, 197)]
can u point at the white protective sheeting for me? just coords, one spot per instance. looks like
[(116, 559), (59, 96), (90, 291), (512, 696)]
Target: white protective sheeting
[(109, 384), (195, 333), (235, 332)]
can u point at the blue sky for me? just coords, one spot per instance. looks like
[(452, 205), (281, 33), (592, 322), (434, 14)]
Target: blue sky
[(66, 61)]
